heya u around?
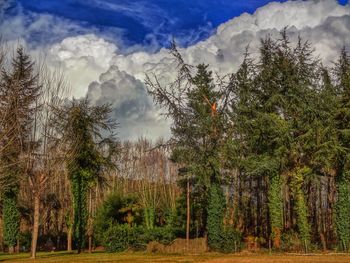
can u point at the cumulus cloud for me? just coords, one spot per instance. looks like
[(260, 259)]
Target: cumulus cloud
[(117, 78), (131, 105), (83, 59), (324, 23)]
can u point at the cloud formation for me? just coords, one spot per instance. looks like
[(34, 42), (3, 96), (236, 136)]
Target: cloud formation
[(100, 70), (324, 23), (83, 59), (132, 106)]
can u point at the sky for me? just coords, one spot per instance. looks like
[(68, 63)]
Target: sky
[(145, 21), (105, 47)]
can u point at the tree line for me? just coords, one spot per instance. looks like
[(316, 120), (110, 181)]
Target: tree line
[(259, 155)]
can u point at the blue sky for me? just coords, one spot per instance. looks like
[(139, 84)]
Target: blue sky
[(142, 18), (142, 22)]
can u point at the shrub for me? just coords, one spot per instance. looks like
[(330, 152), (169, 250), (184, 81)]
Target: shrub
[(291, 241), (25, 239), (118, 238), (113, 211), (162, 235), (230, 240)]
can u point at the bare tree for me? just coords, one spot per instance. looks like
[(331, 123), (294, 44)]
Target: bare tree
[(44, 157)]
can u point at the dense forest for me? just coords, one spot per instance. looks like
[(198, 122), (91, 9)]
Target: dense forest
[(257, 159)]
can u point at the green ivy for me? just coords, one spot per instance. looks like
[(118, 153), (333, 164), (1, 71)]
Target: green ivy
[(301, 206), (343, 211), (216, 211), (275, 204), (11, 219), (79, 191)]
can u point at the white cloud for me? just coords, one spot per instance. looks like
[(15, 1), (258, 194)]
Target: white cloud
[(324, 23), (87, 58), (132, 107), (83, 59)]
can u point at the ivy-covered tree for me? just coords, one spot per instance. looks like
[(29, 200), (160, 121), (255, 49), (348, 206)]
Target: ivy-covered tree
[(19, 90), (272, 107), (85, 128), (342, 75), (198, 107)]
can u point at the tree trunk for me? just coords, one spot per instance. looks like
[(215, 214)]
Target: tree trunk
[(69, 239), (17, 246), (35, 225), (90, 244), (90, 221), (11, 249), (188, 216)]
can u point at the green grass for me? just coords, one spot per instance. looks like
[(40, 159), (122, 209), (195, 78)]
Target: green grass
[(136, 257)]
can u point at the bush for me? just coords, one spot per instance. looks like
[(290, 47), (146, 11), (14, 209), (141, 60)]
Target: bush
[(230, 240), (162, 235), (25, 240), (115, 210), (291, 241), (118, 238)]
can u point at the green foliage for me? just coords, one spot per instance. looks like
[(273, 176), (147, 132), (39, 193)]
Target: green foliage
[(300, 205), (216, 212), (83, 126), (199, 131), (118, 238), (79, 192), (342, 214), (11, 219), (115, 210), (275, 204), (230, 240), (291, 241), (149, 214), (25, 240)]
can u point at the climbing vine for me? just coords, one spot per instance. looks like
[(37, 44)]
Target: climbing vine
[(11, 219), (300, 205), (275, 209), (216, 212), (343, 211)]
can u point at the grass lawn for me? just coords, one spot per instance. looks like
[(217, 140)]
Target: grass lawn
[(58, 257)]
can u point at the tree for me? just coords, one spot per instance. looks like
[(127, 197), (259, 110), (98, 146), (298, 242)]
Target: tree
[(19, 90), (44, 156), (342, 116), (89, 150), (198, 107)]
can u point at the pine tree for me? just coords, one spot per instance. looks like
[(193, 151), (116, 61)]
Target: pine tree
[(342, 75), (197, 108)]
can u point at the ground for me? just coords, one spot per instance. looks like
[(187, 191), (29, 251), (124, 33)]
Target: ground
[(58, 257)]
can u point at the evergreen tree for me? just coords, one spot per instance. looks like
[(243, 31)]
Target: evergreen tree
[(84, 127), (342, 75), (199, 131), (19, 90)]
